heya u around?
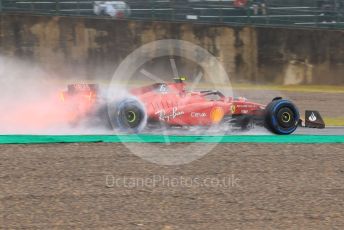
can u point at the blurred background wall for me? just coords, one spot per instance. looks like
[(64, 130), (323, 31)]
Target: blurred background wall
[(93, 47)]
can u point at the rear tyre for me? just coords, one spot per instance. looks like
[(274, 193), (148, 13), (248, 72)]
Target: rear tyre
[(129, 116), (281, 117)]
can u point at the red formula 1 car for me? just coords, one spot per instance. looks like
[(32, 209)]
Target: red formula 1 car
[(171, 104)]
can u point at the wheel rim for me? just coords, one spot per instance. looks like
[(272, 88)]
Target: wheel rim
[(286, 117), (131, 116)]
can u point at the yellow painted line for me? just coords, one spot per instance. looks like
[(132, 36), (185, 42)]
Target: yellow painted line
[(202, 85), (334, 121), (293, 88)]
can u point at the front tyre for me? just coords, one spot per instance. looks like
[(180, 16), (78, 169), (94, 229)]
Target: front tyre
[(282, 117)]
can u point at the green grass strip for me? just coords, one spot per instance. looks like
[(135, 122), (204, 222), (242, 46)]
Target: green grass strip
[(45, 139)]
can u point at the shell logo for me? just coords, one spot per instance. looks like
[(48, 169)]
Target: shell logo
[(216, 115)]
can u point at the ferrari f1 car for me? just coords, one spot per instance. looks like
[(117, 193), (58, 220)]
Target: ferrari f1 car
[(171, 104)]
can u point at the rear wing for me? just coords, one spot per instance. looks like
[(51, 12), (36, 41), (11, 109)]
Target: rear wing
[(88, 91), (78, 88)]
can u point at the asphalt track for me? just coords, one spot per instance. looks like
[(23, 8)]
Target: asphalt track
[(333, 130), (326, 131)]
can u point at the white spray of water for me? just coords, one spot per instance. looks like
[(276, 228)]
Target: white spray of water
[(30, 103)]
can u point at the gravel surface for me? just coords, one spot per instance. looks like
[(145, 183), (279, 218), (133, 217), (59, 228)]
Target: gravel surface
[(235, 186)]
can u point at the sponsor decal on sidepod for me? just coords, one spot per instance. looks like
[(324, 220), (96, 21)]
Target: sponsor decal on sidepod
[(175, 113), (197, 115)]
